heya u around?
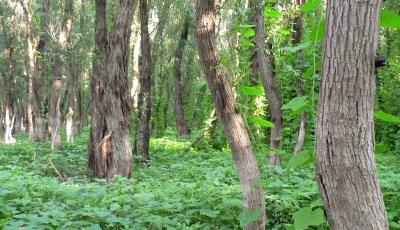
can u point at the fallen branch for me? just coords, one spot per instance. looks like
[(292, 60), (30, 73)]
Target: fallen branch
[(58, 173)]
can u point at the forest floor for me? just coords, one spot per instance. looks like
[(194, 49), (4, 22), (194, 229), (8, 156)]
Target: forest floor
[(45, 189)]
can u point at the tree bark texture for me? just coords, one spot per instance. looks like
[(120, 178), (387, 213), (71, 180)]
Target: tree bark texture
[(268, 79), (346, 170), (54, 113), (181, 125), (228, 113), (144, 101), (110, 152)]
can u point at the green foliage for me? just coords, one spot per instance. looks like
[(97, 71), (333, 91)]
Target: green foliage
[(387, 117), (390, 19), (296, 105), (261, 122), (310, 6), (308, 216)]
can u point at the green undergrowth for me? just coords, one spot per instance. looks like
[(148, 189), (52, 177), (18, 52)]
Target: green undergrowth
[(45, 189)]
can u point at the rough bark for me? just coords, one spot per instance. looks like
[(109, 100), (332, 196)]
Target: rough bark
[(346, 170), (228, 113), (39, 121), (268, 79), (144, 101), (54, 113), (180, 121), (109, 148), (298, 35), (97, 153)]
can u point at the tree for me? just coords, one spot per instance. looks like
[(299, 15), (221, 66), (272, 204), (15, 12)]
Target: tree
[(109, 148), (346, 170), (268, 79), (228, 113), (54, 113), (144, 101), (181, 125), (298, 35)]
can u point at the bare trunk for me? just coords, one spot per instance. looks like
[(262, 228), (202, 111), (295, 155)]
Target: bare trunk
[(9, 123), (228, 113), (298, 35), (346, 170), (268, 78), (181, 125), (54, 113), (144, 103), (109, 148)]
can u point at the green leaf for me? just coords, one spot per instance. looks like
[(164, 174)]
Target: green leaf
[(380, 115), (209, 212), (297, 104), (297, 48), (249, 32), (310, 6), (318, 31), (301, 159), (271, 12), (249, 217), (381, 148), (390, 19), (252, 90), (306, 217), (261, 122)]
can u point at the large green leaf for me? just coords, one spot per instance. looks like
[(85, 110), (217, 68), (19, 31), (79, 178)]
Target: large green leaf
[(249, 217), (252, 90), (270, 12), (317, 31), (297, 48), (297, 104), (306, 217), (390, 19), (301, 159), (209, 212), (310, 6), (261, 122), (380, 115)]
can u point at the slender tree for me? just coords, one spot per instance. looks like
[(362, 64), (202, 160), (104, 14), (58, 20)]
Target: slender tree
[(54, 113), (144, 101), (268, 79), (228, 113), (346, 170), (181, 125)]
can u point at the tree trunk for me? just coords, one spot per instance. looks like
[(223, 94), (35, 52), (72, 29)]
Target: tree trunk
[(228, 113), (54, 113), (181, 125), (346, 170), (27, 7), (268, 78), (298, 35), (39, 122), (144, 103), (109, 148)]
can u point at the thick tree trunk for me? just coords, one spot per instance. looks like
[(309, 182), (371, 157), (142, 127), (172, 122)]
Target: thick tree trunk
[(54, 113), (39, 121), (144, 103), (346, 170), (97, 145), (109, 148), (268, 78), (228, 113), (298, 35), (181, 125)]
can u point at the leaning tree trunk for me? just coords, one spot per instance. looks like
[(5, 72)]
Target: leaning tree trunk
[(144, 101), (228, 113), (54, 113), (346, 170), (268, 78), (109, 148), (298, 35), (181, 125)]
